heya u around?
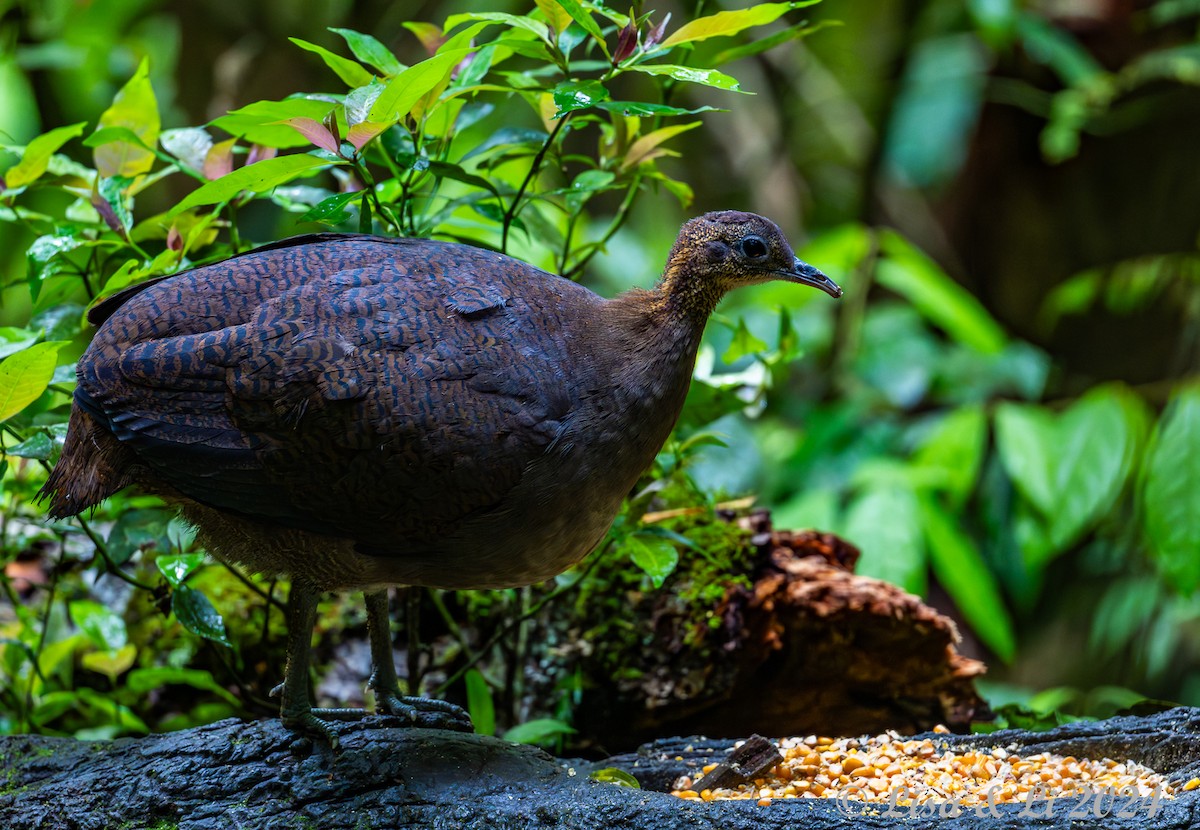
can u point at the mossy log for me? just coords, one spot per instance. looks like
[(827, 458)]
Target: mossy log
[(234, 774)]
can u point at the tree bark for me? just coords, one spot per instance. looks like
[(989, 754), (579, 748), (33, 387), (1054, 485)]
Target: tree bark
[(233, 774)]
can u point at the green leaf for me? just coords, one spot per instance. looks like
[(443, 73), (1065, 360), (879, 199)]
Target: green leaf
[(37, 155), (883, 523), (570, 96), (962, 571), (188, 144), (369, 50), (613, 775), (403, 91), (537, 27), (331, 211), (941, 300), (743, 343), (707, 77), (641, 108), (1171, 490), (25, 375), (111, 663), (1055, 47), (140, 681), (197, 615), (757, 47), (656, 556), (135, 108), (479, 703), (538, 731), (13, 340), (263, 121), (723, 24), (954, 448), (1071, 468), (586, 22), (39, 446), (176, 568), (257, 178), (103, 626), (351, 73)]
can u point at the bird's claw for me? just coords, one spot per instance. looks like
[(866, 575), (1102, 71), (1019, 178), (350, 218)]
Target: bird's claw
[(309, 726), (425, 712)]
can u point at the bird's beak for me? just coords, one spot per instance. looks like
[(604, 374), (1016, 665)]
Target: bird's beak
[(805, 274)]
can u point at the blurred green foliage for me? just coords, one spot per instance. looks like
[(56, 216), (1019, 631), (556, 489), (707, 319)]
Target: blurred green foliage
[(1054, 512)]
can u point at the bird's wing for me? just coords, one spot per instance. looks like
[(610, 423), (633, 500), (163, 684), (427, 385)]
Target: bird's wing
[(384, 403)]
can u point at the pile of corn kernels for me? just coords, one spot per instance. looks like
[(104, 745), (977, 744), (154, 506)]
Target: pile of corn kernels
[(911, 771)]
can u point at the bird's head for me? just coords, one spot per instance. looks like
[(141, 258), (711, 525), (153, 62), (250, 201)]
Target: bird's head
[(718, 252)]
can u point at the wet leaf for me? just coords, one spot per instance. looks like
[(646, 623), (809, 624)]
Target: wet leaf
[(707, 77), (176, 568), (657, 557), (196, 613)]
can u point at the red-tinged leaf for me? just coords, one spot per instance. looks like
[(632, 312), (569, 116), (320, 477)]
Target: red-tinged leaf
[(331, 123), (218, 161), (316, 132), (431, 36), (656, 34), (362, 132), (626, 43), (260, 153), (174, 240)]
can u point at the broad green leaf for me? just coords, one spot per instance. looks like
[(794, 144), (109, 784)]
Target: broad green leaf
[(1171, 490), (883, 523), (176, 568), (537, 27), (614, 775), (331, 211), (263, 122), (111, 663), (1071, 467), (723, 24), (644, 148), (577, 95), (37, 155), (908, 272), (961, 570), (138, 529), (257, 178), (587, 184), (13, 340), (135, 108), (39, 446), (103, 626), (954, 448), (556, 15), (404, 90), (707, 77), (370, 51), (743, 343), (538, 731), (197, 615), (479, 703), (140, 681), (1023, 434), (351, 73), (656, 556), (586, 22), (757, 47), (642, 108), (25, 375)]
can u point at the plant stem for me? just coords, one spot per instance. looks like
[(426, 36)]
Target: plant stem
[(534, 168)]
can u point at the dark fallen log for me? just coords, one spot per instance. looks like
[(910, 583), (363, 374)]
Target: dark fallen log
[(256, 775)]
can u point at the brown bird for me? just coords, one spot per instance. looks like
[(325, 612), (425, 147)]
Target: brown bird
[(357, 412)]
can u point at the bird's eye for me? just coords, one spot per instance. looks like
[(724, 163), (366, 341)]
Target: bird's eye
[(753, 247)]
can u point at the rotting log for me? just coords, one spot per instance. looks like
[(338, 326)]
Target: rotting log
[(255, 775)]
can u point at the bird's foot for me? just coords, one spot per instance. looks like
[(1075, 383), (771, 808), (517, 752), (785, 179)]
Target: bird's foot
[(310, 726), (424, 712)]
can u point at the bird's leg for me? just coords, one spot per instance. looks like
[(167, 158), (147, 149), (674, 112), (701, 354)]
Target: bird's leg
[(385, 684), (296, 710)]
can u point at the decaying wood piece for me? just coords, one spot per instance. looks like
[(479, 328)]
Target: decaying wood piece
[(746, 762), (254, 776), (810, 647)]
